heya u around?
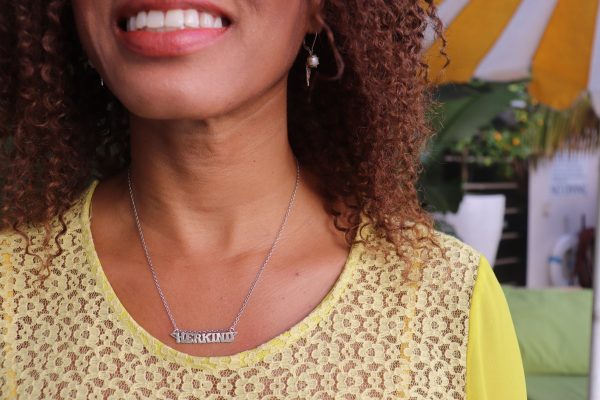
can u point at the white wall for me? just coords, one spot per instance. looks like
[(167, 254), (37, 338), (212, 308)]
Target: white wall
[(561, 190)]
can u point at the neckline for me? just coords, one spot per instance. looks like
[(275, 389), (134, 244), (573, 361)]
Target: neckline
[(244, 358)]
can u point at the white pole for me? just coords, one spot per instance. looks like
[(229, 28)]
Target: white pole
[(595, 349), (594, 88)]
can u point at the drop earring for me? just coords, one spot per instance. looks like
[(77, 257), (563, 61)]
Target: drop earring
[(312, 61)]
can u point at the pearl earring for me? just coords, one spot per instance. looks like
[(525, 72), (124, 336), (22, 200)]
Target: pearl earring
[(312, 61)]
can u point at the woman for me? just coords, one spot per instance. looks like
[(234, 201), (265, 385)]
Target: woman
[(219, 255)]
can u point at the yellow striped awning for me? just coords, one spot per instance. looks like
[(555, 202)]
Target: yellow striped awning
[(555, 43)]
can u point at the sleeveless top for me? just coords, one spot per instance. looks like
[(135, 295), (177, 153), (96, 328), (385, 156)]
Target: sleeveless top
[(386, 329)]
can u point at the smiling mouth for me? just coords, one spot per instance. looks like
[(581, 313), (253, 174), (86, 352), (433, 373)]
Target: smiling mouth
[(171, 20)]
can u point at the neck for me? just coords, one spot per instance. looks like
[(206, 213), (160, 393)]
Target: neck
[(214, 180)]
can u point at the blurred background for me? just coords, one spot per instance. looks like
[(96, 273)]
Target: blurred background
[(514, 169)]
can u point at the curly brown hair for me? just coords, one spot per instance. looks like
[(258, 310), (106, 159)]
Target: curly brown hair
[(360, 131)]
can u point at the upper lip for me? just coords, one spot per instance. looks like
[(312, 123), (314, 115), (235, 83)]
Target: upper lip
[(132, 7)]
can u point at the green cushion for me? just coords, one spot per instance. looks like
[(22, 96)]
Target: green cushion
[(553, 327), (548, 387)]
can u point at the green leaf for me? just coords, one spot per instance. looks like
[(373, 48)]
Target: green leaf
[(463, 111), (461, 117)]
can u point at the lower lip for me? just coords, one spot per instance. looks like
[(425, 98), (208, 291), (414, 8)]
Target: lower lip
[(170, 43)]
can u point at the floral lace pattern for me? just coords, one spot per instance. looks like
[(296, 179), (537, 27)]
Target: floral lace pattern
[(385, 330)]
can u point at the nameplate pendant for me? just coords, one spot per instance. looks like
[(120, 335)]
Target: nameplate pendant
[(192, 337)]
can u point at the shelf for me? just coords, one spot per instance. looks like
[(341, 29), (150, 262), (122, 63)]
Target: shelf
[(510, 236), (491, 186), (509, 180), (506, 261), (453, 158), (512, 211)]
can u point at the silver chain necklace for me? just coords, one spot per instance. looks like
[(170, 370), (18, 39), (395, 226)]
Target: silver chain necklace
[(208, 336)]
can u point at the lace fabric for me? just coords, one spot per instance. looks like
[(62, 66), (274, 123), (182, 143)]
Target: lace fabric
[(385, 330)]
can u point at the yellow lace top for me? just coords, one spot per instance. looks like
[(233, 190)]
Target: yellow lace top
[(386, 330)]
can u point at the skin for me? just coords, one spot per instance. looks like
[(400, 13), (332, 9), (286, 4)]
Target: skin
[(213, 174)]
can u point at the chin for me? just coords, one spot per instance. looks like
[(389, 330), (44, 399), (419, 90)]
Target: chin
[(175, 104), (163, 112)]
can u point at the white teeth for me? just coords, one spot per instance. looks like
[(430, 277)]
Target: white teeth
[(206, 20), (155, 19), (191, 19), (131, 24), (173, 19), (140, 20)]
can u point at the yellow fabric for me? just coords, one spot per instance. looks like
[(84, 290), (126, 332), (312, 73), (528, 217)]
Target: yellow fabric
[(494, 367), (387, 329), (560, 68), (470, 36)]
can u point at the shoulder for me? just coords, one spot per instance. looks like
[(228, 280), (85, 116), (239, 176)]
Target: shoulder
[(448, 262), (449, 272), (435, 278), (439, 260), (456, 249)]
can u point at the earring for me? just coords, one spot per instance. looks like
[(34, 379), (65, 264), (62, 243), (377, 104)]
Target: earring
[(312, 61)]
